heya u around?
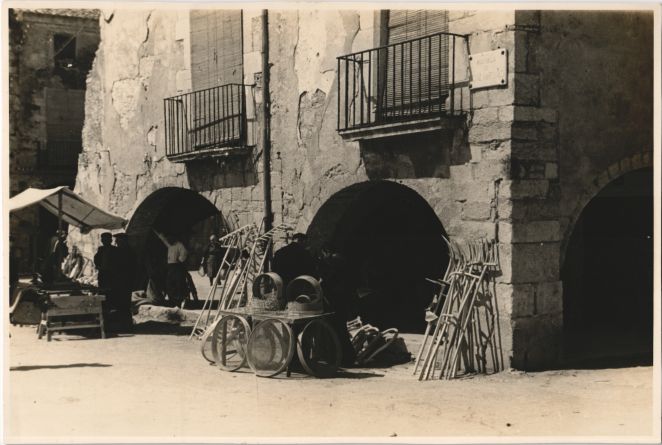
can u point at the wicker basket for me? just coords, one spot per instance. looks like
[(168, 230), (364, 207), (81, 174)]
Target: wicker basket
[(267, 292)]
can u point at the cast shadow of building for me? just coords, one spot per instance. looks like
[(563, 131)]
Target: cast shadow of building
[(416, 155)]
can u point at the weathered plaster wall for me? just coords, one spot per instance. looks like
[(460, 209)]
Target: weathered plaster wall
[(143, 58)]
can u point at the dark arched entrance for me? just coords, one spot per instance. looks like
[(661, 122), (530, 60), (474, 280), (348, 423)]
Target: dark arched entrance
[(392, 240), (608, 277), (177, 211)]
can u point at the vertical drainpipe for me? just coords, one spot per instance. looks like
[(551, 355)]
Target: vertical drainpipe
[(266, 128)]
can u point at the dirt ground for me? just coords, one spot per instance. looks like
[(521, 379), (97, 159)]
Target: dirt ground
[(159, 387)]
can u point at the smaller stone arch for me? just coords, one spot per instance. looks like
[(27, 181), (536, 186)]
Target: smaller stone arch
[(607, 274), (614, 171), (174, 210)]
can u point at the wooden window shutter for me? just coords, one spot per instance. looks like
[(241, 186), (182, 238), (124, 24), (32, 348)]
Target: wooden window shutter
[(416, 77), (65, 114), (214, 116), (216, 48)]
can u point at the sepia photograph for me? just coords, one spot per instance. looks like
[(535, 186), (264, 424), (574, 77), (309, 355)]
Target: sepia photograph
[(331, 223)]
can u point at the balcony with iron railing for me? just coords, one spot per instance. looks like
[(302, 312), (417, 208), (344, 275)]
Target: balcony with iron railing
[(401, 87), (206, 123)]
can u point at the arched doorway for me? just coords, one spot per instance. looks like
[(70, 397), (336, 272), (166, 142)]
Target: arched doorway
[(608, 276), (392, 240), (177, 211)]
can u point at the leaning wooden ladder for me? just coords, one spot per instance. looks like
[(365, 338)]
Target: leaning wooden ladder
[(237, 283), (464, 321), (234, 243)]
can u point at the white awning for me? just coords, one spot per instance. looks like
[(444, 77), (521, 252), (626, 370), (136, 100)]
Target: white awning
[(75, 210)]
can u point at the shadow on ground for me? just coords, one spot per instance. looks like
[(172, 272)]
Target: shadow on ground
[(159, 328), (71, 365)]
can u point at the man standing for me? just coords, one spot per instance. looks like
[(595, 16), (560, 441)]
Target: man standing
[(126, 269), (105, 261), (211, 260), (176, 285)]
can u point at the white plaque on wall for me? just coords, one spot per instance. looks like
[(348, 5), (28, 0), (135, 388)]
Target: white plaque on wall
[(489, 69)]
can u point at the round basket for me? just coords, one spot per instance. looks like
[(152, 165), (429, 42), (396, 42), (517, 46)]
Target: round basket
[(270, 347), (267, 292), (304, 296), (318, 349), (229, 342)]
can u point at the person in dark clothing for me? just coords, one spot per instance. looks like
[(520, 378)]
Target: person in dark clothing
[(106, 262), (294, 260), (340, 294), (191, 291), (211, 260), (125, 278)]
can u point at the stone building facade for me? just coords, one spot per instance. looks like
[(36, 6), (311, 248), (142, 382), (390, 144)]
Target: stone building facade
[(515, 162), (50, 55)]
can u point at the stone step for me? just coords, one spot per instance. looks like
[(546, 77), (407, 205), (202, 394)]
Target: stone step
[(162, 314)]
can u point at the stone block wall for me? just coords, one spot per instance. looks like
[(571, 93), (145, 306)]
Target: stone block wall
[(575, 113)]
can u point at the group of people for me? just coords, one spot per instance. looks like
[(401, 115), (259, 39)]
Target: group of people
[(116, 266)]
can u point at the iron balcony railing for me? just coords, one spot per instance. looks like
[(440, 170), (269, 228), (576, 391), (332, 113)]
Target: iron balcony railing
[(60, 154), (398, 82), (202, 121)]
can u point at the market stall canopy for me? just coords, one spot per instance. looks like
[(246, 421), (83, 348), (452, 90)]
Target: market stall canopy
[(75, 210)]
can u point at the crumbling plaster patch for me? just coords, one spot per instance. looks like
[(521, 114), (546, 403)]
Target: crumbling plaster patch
[(124, 96)]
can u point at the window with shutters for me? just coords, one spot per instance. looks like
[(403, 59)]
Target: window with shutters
[(416, 75), (212, 117), (405, 79), (65, 113), (216, 48)]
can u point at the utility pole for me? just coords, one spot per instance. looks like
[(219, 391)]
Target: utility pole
[(266, 127)]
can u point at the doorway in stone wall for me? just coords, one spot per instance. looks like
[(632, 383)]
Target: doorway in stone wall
[(391, 241), (608, 277), (181, 212)]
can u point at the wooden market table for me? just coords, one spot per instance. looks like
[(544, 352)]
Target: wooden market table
[(244, 334), (69, 312)]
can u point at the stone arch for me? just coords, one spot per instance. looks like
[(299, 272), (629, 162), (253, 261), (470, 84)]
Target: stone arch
[(391, 240), (598, 183), (174, 210), (607, 274)]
